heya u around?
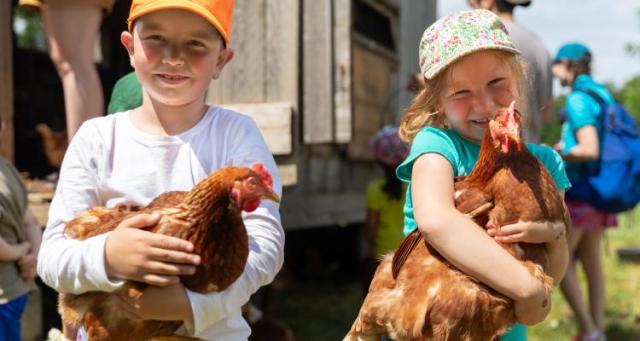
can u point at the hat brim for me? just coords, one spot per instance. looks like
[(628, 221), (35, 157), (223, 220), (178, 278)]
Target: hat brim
[(185, 5), (430, 74)]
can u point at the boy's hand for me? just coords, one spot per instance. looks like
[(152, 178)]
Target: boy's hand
[(169, 303), (134, 254), (528, 232), (27, 264)]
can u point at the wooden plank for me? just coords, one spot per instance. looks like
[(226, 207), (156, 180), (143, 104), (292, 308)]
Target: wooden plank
[(242, 80), (317, 83), (307, 210), (372, 77), (282, 46), (342, 79), (6, 81), (288, 174), (274, 121)]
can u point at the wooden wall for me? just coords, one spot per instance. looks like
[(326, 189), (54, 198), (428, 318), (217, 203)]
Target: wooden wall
[(262, 79), (6, 80)]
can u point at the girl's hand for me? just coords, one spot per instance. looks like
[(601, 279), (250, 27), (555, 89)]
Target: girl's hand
[(528, 232), (134, 254), (169, 303)]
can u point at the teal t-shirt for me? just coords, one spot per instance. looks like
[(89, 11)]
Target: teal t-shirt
[(582, 110), (462, 154)]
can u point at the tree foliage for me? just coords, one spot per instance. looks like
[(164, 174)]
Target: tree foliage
[(630, 96)]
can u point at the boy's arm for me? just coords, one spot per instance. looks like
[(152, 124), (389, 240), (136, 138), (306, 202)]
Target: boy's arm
[(68, 265)]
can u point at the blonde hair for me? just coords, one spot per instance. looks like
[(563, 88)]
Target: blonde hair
[(423, 112)]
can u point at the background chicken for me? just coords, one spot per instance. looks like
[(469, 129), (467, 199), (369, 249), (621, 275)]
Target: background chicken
[(208, 216), (417, 295), (54, 144)]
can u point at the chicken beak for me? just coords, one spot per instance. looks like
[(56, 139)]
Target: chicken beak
[(271, 195), (515, 137)]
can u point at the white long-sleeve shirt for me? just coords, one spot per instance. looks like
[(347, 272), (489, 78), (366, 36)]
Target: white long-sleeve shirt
[(110, 162)]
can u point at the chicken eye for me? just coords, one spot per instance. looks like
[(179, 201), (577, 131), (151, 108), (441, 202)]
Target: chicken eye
[(252, 182)]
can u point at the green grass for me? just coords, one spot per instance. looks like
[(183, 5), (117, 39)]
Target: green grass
[(325, 311), (622, 315)]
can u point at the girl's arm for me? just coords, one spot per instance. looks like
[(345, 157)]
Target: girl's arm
[(588, 147), (468, 246)]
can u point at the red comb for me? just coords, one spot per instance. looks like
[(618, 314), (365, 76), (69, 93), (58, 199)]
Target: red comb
[(264, 173)]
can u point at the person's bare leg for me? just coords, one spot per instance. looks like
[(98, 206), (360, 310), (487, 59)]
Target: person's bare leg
[(72, 28), (571, 287), (591, 256)]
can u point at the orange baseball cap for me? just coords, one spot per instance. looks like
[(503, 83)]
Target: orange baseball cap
[(217, 12)]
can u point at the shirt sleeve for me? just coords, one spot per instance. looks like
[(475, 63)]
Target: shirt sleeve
[(582, 110), (428, 140), (65, 264), (266, 240)]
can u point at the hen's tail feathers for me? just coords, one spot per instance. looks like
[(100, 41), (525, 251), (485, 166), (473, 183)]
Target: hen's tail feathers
[(404, 250)]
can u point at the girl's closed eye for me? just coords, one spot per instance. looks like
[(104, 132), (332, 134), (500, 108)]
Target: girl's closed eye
[(459, 94), (497, 82)]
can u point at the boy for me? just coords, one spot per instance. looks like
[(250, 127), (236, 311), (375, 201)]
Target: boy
[(170, 142)]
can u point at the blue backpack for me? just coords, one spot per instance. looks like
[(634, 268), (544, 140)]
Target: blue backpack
[(612, 186)]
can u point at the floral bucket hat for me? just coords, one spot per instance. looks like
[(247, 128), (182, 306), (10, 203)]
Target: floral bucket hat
[(459, 34)]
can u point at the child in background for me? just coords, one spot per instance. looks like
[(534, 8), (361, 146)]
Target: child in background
[(471, 69), (20, 237), (384, 199), (384, 195), (580, 144), (171, 142)]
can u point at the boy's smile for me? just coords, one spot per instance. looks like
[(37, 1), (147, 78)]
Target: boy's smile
[(176, 54)]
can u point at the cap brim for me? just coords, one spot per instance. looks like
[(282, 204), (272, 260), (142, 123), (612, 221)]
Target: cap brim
[(430, 74), (187, 6)]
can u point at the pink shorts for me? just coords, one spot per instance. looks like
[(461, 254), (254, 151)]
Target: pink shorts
[(587, 217)]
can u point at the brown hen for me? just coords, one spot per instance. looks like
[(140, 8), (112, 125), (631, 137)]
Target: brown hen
[(54, 144), (209, 216), (416, 294)]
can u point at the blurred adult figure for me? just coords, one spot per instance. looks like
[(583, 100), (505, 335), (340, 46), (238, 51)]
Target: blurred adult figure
[(539, 75), (71, 27)]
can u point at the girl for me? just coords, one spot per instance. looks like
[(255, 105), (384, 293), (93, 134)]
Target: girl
[(580, 145), (471, 68)]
